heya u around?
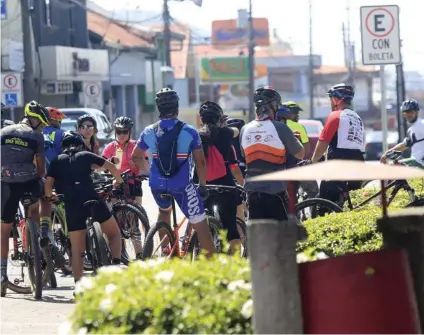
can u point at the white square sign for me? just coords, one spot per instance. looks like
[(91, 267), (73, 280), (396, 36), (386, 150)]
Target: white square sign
[(380, 35)]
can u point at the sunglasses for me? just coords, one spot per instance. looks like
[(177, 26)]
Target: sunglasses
[(407, 112), (87, 127), (122, 132)]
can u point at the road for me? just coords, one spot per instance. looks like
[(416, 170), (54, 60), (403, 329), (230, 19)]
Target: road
[(21, 314)]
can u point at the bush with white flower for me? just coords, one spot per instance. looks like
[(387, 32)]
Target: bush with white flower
[(172, 297)]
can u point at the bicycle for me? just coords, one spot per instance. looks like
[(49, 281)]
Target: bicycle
[(173, 238), (27, 251), (214, 212)]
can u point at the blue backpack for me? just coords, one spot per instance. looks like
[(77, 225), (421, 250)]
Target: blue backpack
[(50, 149)]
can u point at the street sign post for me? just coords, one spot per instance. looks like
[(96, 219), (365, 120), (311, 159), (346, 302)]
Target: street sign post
[(11, 89), (380, 39)]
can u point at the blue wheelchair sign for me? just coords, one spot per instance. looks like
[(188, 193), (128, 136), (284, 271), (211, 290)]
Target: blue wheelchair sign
[(3, 10), (11, 99)]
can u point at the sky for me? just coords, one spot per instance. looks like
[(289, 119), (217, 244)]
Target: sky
[(291, 19)]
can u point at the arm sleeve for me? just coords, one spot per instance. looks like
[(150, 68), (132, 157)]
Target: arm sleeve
[(240, 139), (52, 169), (233, 157), (287, 137), (40, 144), (330, 128), (303, 134), (196, 143), (95, 159), (108, 151), (141, 143)]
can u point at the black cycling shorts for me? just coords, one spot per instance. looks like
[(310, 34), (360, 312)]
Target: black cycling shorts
[(76, 214), (136, 189), (14, 192), (267, 206)]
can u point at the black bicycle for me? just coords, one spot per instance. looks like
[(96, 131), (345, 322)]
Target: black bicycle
[(28, 253)]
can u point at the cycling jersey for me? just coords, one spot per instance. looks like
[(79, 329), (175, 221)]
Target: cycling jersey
[(295, 126), (265, 144), (415, 140), (180, 186), (110, 151), (19, 144), (345, 134)]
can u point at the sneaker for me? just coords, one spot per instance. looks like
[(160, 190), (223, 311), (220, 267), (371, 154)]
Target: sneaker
[(4, 282)]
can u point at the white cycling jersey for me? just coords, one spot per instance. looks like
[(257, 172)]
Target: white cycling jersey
[(415, 140)]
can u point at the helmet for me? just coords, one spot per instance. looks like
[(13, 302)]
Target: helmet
[(237, 123), (410, 105), (36, 110), (56, 114), (72, 139), (342, 91), (123, 122), (266, 95), (283, 112), (86, 117), (292, 106), (167, 101), (210, 110)]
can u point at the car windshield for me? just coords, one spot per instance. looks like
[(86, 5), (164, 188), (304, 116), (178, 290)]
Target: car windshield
[(377, 137), (311, 128), (74, 115), (68, 125)]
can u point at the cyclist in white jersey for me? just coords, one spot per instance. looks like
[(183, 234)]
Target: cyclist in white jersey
[(414, 138)]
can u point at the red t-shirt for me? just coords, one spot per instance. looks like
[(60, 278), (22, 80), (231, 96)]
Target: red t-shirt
[(110, 151)]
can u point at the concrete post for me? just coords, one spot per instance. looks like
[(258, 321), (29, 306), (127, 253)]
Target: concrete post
[(274, 271), (405, 229)]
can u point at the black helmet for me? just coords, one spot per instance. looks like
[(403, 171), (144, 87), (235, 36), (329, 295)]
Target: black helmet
[(237, 123), (123, 122), (72, 139), (86, 117), (283, 112), (36, 110), (410, 105), (210, 111), (265, 95), (342, 91), (167, 101)]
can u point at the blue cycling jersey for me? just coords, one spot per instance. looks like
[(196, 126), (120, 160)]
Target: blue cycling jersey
[(188, 140)]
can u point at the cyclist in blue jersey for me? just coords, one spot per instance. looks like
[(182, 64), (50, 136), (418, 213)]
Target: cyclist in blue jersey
[(174, 145)]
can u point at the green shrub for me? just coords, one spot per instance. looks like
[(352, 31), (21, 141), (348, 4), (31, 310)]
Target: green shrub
[(172, 297)]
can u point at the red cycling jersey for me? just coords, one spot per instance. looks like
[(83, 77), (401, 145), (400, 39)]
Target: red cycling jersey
[(110, 151)]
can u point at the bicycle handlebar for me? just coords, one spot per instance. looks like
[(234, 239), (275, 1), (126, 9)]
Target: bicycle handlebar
[(224, 188), (394, 155)]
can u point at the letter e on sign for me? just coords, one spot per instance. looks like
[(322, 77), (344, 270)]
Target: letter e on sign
[(380, 35)]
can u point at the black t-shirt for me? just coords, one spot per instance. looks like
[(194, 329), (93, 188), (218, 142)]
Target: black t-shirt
[(223, 141), (72, 175)]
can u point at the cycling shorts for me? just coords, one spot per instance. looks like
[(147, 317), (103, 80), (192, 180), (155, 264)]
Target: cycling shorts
[(76, 214), (188, 199), (267, 206), (15, 192)]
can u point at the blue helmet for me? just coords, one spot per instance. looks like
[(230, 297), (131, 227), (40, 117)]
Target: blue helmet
[(410, 105), (341, 91), (283, 112)]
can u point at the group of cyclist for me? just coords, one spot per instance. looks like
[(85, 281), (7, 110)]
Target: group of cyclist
[(184, 161)]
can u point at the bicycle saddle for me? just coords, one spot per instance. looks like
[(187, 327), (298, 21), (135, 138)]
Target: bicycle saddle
[(90, 203)]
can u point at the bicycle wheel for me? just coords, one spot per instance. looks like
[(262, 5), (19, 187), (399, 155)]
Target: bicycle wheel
[(60, 235), (215, 228), (317, 207), (150, 245), (34, 258), (143, 211), (101, 247), (242, 229)]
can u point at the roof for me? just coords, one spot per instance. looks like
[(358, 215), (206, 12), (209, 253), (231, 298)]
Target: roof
[(333, 69), (207, 50), (112, 32)]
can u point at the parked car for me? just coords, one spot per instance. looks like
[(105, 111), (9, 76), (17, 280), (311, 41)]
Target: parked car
[(313, 129), (105, 129), (374, 143)]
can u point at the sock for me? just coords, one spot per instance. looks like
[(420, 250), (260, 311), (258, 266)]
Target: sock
[(116, 261), (45, 226), (3, 267)]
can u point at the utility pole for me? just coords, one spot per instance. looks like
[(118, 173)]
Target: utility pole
[(251, 64), (166, 33), (29, 84), (311, 65), (400, 97)]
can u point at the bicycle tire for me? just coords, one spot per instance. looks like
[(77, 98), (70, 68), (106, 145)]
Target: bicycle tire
[(34, 260), (143, 211), (101, 245), (215, 226), (132, 208), (243, 227), (315, 202), (63, 238), (149, 241)]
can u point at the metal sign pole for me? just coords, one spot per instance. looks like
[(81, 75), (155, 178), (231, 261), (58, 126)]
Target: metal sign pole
[(383, 107), (12, 114)]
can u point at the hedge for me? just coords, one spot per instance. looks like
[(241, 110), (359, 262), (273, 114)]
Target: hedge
[(209, 297)]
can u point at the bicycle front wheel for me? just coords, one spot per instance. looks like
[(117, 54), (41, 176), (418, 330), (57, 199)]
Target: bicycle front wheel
[(97, 246), (215, 228), (314, 207), (164, 242), (34, 258)]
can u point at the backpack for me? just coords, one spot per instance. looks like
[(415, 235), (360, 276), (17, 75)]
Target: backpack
[(215, 164), (167, 150), (49, 147)]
